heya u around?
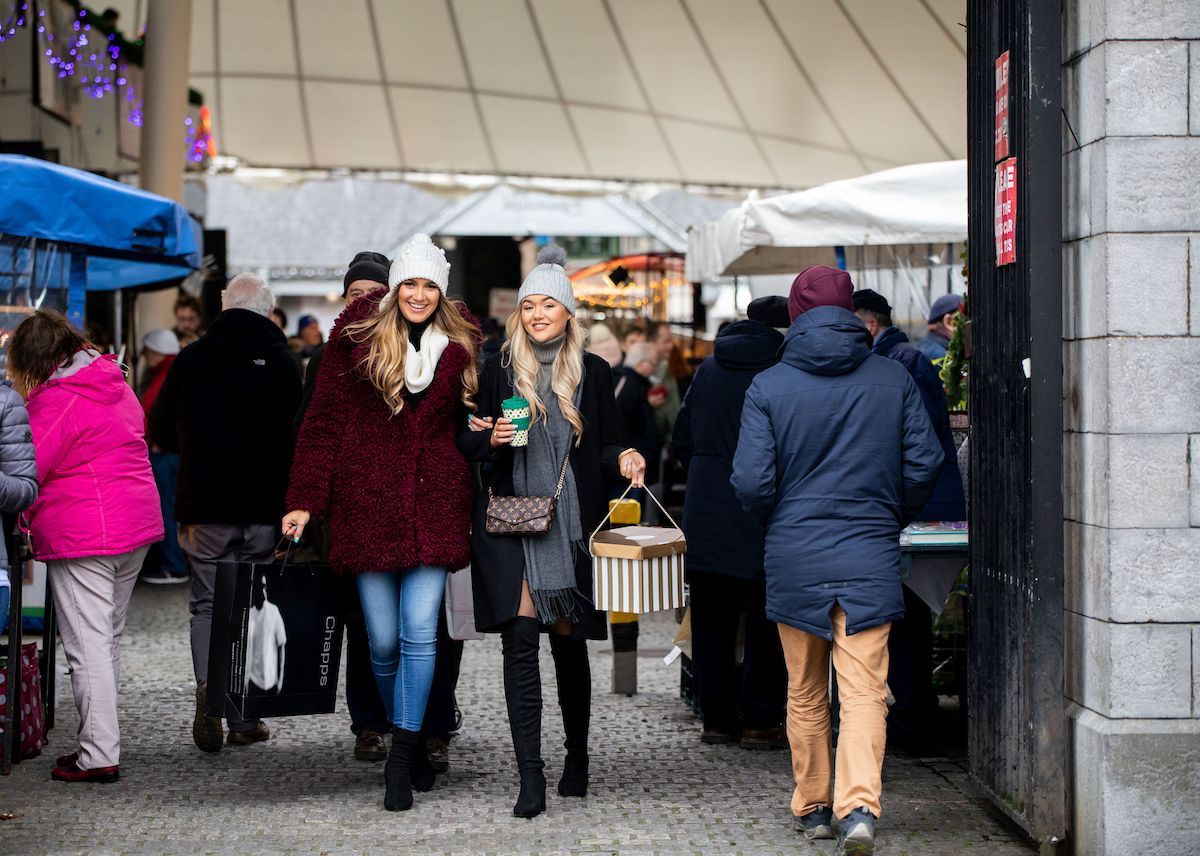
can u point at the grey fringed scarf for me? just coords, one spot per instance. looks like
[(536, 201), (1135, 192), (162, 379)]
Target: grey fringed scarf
[(550, 558)]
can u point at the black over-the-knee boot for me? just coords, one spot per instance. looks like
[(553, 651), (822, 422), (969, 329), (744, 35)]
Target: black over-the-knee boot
[(396, 772), (523, 693), (574, 675)]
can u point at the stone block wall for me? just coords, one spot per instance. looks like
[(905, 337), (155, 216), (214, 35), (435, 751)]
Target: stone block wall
[(1131, 262)]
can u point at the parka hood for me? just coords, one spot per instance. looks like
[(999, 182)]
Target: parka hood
[(94, 376), (827, 340), (747, 345)]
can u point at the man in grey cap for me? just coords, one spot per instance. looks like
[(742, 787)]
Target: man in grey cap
[(941, 327)]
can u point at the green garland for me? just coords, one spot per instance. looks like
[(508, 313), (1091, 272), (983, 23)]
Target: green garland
[(954, 368)]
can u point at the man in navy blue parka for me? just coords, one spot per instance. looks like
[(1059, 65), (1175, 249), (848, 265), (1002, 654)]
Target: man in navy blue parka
[(836, 455)]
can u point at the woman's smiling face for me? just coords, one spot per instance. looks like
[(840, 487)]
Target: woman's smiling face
[(543, 318), (418, 298)]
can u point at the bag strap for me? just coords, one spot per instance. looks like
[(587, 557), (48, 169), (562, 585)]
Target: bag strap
[(562, 478), (613, 507)]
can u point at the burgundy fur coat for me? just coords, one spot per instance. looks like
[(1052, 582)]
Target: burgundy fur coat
[(395, 490)]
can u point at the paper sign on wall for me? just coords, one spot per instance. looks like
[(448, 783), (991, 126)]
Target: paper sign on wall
[(1006, 212), (1001, 107)]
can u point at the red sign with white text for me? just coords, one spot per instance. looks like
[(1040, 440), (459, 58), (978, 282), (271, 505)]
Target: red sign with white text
[(1002, 107), (1006, 212)]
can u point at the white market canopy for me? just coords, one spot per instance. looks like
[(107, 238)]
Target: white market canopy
[(918, 204), (755, 93), (508, 210)]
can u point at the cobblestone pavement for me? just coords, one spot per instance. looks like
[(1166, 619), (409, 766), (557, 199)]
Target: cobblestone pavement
[(654, 788)]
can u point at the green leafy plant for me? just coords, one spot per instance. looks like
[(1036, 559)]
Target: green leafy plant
[(954, 368)]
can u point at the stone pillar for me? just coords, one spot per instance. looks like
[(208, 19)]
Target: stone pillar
[(168, 47), (1131, 256)]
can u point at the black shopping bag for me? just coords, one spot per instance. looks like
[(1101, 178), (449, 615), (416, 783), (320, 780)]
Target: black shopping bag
[(276, 641)]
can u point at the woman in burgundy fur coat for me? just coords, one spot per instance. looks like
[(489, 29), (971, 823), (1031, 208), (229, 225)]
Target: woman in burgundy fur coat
[(377, 458)]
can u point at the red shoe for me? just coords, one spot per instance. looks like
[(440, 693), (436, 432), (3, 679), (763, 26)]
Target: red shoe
[(66, 760), (72, 773)]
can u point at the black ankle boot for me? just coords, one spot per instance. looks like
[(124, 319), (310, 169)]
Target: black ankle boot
[(421, 772), (523, 693), (574, 675), (396, 772)]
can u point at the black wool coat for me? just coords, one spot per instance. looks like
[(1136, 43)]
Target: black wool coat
[(498, 563), (722, 538), (227, 407)]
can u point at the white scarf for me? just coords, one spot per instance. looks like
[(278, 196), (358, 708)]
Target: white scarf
[(420, 365)]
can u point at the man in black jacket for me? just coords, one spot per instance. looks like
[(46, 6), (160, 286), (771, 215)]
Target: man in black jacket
[(226, 408), (725, 544), (912, 717)]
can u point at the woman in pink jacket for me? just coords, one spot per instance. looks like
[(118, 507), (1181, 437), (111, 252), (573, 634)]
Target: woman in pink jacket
[(96, 515)]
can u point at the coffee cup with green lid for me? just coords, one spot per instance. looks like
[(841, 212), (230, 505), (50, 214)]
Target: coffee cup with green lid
[(516, 410)]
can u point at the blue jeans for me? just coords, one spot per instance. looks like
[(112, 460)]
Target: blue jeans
[(165, 466), (401, 609)]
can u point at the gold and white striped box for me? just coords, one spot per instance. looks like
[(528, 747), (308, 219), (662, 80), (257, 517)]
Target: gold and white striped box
[(638, 569)]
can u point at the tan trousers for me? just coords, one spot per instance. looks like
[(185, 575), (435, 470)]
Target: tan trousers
[(92, 596), (861, 663)]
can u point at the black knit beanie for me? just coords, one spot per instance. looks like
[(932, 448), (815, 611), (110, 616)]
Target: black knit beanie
[(369, 266)]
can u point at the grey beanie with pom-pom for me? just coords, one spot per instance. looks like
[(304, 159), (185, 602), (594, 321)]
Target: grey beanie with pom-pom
[(549, 278)]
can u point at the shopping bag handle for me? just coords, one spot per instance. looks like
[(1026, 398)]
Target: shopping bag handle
[(287, 553), (612, 506)]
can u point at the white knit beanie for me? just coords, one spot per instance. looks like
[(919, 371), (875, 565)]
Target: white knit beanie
[(161, 342), (549, 278), (420, 257)]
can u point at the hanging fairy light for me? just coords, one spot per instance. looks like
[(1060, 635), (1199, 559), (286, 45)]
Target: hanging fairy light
[(93, 53), (14, 21)]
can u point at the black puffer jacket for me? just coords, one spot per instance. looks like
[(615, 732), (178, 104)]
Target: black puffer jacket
[(18, 468)]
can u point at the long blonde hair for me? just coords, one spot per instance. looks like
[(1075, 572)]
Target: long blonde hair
[(388, 335), (566, 373)]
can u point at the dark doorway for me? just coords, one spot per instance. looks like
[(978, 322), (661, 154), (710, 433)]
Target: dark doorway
[(479, 264)]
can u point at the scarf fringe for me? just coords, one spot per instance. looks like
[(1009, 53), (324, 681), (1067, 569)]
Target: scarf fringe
[(554, 604)]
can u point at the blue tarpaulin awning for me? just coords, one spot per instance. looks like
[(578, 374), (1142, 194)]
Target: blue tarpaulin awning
[(118, 236)]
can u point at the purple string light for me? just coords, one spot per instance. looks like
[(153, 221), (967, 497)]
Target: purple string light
[(99, 69), (15, 19)]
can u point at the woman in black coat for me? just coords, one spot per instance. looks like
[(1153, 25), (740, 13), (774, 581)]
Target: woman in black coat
[(526, 584)]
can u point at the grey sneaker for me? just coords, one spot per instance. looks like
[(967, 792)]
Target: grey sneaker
[(817, 825), (858, 833)]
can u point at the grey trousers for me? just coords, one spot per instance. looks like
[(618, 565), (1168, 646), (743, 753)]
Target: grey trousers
[(92, 595), (206, 544)]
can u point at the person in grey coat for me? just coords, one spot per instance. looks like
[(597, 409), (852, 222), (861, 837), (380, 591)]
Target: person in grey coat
[(18, 474)]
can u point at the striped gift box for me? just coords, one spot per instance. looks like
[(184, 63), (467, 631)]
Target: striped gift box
[(638, 569)]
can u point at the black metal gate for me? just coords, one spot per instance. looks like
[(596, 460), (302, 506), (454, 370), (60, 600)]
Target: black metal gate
[(1018, 729)]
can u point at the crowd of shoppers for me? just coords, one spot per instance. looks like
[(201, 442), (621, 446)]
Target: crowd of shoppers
[(806, 452)]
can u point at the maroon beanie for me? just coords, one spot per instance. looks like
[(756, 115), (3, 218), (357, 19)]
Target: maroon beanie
[(820, 286)]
